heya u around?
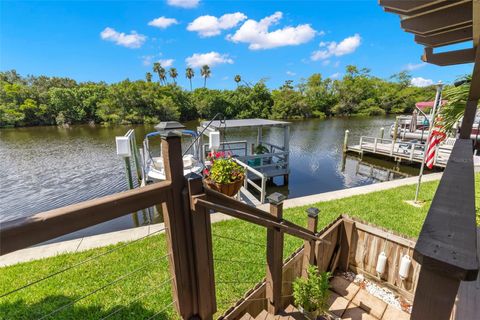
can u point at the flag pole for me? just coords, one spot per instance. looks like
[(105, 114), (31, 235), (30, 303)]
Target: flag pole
[(436, 105)]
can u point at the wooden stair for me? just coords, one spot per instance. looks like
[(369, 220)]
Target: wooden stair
[(290, 313)]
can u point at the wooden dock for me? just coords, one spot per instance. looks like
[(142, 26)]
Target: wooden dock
[(399, 150)]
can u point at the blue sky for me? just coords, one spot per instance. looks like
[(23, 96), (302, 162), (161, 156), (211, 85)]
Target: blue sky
[(274, 40)]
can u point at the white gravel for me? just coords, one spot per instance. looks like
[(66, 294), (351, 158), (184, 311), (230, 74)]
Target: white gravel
[(380, 292)]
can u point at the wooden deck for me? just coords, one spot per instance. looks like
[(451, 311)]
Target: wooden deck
[(398, 151)]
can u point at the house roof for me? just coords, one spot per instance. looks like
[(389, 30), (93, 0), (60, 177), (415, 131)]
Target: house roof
[(437, 23)]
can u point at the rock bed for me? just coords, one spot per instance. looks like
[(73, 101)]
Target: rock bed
[(380, 292)]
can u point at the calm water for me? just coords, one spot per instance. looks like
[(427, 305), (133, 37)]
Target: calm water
[(43, 168)]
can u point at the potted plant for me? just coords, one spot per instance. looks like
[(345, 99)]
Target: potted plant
[(224, 174), (311, 294)]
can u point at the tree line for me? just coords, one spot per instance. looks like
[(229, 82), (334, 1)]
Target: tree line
[(42, 100)]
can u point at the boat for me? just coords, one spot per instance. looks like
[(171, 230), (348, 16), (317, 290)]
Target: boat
[(415, 126), (153, 165)]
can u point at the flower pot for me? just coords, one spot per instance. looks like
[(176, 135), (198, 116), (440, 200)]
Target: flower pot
[(229, 189), (312, 315), (315, 315)]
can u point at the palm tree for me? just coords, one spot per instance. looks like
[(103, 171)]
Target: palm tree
[(456, 97), (189, 74), (162, 74), (148, 76), (206, 72), (156, 69), (173, 74), (238, 79)]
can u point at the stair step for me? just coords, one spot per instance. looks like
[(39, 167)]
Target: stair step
[(290, 313), (247, 316), (263, 315)]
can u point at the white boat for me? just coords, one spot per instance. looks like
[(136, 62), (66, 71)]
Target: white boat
[(156, 170), (153, 165)]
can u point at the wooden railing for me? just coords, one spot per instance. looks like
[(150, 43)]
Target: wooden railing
[(186, 208), (24, 232), (446, 247), (202, 200)]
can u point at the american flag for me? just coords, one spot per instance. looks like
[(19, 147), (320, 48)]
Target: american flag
[(437, 135)]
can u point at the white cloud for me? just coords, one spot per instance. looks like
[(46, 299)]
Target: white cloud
[(166, 62), (414, 66), (132, 40), (258, 36), (291, 73), (346, 46), (188, 4), (336, 75), (421, 82), (162, 22), (147, 60), (211, 59), (209, 26)]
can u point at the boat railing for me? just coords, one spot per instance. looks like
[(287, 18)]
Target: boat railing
[(252, 172), (273, 147)]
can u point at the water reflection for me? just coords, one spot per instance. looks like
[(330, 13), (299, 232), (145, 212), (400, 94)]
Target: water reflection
[(49, 167)]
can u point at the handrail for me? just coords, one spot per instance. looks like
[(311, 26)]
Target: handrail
[(447, 245), (266, 155), (262, 187), (273, 145), (243, 211), (449, 233), (23, 232), (263, 221)]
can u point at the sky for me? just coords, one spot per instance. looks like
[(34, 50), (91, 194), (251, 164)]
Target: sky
[(270, 40)]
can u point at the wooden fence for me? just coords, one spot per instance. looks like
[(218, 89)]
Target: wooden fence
[(368, 242)]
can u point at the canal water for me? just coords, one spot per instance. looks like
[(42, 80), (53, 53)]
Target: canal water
[(43, 168)]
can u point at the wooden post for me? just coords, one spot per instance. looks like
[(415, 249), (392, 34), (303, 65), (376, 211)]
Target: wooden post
[(309, 246), (382, 132), (177, 229), (345, 244), (394, 137), (435, 295), (286, 148), (203, 253), (345, 141), (275, 257)]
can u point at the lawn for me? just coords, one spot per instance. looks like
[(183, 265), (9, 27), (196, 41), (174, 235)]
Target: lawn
[(139, 271)]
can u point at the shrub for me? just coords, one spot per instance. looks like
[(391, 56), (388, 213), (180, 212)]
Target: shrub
[(312, 293)]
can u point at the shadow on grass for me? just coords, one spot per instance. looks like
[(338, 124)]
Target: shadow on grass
[(19, 309)]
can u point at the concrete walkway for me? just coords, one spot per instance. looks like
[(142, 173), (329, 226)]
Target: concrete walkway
[(91, 242)]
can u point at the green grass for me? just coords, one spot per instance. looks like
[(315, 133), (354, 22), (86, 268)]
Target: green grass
[(142, 294)]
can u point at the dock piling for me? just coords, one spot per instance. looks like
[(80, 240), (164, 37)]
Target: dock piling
[(345, 141)]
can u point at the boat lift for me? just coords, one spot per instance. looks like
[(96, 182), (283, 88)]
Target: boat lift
[(261, 167)]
